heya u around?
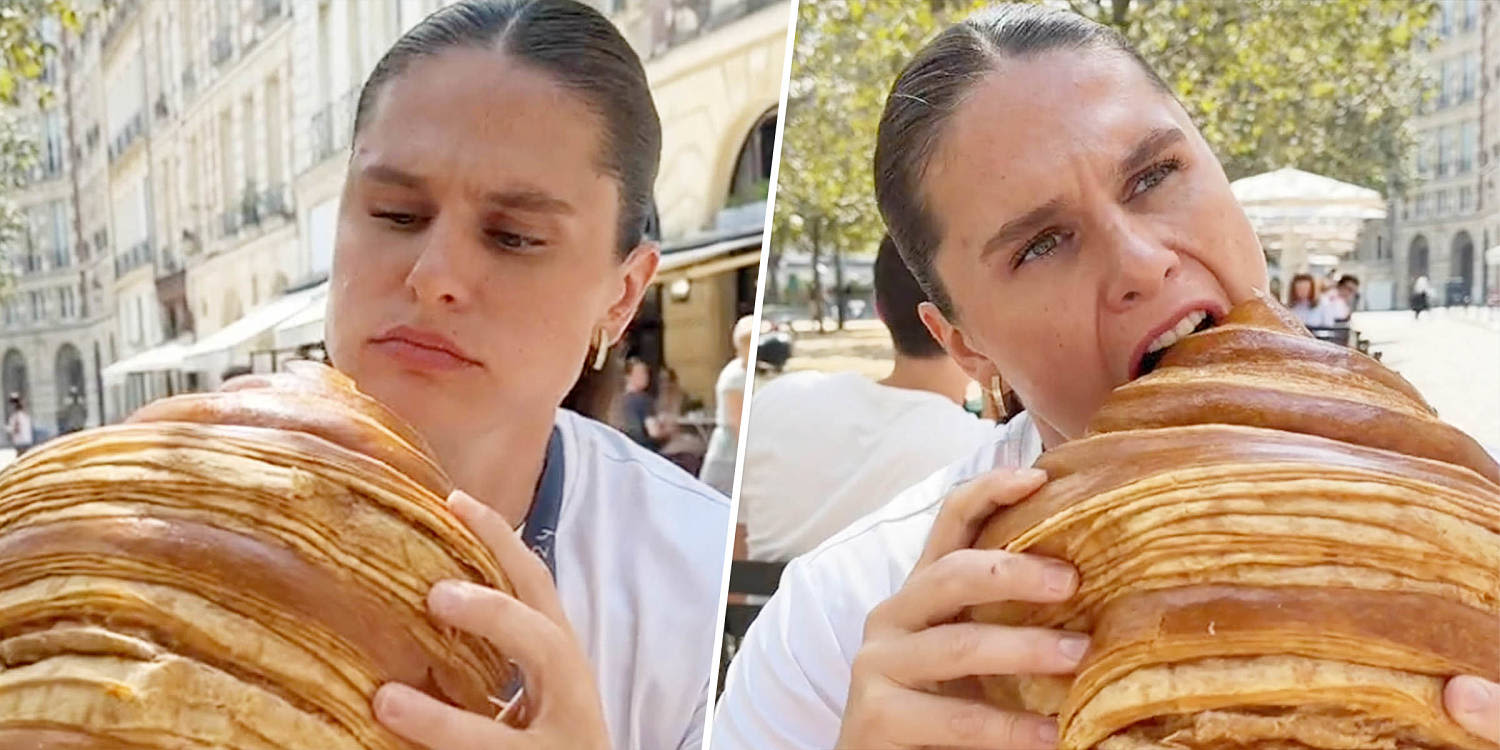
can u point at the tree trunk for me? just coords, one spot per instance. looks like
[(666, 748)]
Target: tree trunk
[(817, 278), (839, 301), (773, 282)]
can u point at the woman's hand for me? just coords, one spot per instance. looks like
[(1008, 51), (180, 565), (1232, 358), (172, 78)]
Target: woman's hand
[(1474, 703), (529, 628), (911, 644)]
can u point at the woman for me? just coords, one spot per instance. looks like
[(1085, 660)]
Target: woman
[(1061, 210), (1304, 302), (729, 396), (489, 249)]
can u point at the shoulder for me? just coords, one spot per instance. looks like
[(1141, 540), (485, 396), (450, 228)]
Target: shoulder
[(605, 454)]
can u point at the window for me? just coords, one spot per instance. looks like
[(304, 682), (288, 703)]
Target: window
[(52, 144), (61, 255), (1446, 87), (1468, 147), (1446, 149), (1442, 203), (1465, 199), (1421, 208), (1445, 22), (1470, 75), (36, 305)]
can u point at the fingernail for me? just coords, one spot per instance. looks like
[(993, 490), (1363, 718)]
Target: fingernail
[(458, 498), (445, 597), (1470, 695), (1047, 732), (1059, 578), (1031, 474), (1073, 647), (389, 700)]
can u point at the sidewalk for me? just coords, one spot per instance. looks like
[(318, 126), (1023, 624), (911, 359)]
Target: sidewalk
[(1452, 356)]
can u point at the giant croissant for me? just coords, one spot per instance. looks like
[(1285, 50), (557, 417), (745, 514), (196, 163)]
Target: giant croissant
[(1280, 547), (235, 570)]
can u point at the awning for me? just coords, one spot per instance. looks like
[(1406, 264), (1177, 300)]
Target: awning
[(166, 357), (709, 259), (305, 327), (214, 352)]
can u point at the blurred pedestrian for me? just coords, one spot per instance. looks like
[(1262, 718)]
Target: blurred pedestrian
[(729, 398), (638, 405), (1303, 301), (678, 444), (18, 427), (75, 415), (1342, 298), (1421, 293), (825, 449)]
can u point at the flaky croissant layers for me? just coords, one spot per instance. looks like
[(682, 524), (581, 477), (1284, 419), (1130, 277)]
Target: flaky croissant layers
[(1280, 547), (239, 569)]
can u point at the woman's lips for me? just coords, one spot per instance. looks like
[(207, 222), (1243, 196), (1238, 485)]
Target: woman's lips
[(422, 350)]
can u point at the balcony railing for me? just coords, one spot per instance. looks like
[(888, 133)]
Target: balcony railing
[(330, 127), (274, 202), (687, 20), (221, 48), (133, 129), (229, 223), (139, 254), (267, 10)]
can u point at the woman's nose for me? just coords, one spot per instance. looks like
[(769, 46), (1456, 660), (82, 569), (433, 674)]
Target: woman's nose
[(443, 273), (1141, 267)]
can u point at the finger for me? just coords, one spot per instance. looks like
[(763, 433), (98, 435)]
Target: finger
[(527, 573), (429, 722), (923, 719), (939, 592), (970, 504), (949, 652), (522, 634), (1474, 703)]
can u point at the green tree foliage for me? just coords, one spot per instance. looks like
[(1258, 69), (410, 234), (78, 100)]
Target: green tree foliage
[(1327, 86)]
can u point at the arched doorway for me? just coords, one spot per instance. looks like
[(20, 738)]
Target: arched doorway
[(72, 408), (13, 377), (1416, 260), (1460, 287), (751, 179)]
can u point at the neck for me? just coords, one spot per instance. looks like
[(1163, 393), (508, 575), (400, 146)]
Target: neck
[(938, 375), (499, 465), (1051, 436)]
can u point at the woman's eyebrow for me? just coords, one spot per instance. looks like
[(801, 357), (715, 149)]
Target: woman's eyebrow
[(1154, 143), (529, 199), (1020, 227), (392, 176)]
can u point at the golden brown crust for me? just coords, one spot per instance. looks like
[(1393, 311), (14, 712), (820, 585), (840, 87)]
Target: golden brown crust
[(1280, 546), (233, 570)]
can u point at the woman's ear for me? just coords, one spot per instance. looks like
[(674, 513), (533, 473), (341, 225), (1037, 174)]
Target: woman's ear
[(975, 364), (636, 273)]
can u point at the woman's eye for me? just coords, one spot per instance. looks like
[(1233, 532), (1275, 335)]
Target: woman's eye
[(514, 241), (1153, 176), (396, 218), (1042, 246)]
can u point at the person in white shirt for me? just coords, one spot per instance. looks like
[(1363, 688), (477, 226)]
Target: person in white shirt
[(490, 247), (729, 402), (18, 426), (1340, 300), (825, 449), (1062, 211)]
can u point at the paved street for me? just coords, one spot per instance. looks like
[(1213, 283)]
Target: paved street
[(1451, 356)]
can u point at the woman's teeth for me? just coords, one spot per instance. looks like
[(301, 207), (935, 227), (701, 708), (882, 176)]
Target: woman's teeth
[(1183, 328)]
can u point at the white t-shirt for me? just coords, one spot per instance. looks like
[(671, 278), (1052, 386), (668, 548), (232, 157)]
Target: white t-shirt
[(19, 428), (640, 550), (828, 449), (787, 685), (723, 443)]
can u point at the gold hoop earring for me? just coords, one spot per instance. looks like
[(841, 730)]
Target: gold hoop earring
[(601, 349), (997, 392)]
